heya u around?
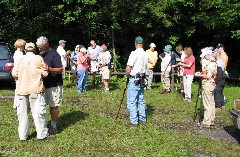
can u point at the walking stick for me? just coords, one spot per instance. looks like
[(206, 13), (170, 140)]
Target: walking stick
[(124, 91)]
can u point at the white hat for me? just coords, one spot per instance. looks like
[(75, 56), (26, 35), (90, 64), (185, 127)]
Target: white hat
[(152, 45), (83, 50), (30, 47), (205, 51)]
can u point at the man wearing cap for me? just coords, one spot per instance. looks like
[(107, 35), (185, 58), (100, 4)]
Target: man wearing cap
[(93, 51), (219, 80), (29, 72), (174, 57), (208, 84), (104, 61), (63, 55), (53, 82), (223, 55), (165, 70), (136, 65), (152, 60)]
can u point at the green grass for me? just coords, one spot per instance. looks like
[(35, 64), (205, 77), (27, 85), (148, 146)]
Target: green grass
[(87, 127)]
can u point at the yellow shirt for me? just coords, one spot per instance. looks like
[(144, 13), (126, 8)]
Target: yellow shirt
[(152, 57)]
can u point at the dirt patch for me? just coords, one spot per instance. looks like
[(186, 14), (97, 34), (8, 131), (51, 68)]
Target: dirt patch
[(219, 132)]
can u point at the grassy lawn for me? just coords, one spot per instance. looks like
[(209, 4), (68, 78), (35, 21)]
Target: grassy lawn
[(87, 127)]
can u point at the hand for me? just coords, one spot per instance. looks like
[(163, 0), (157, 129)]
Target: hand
[(45, 67), (198, 74), (68, 52)]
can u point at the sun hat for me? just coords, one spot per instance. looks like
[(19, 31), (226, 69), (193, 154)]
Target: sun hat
[(83, 49), (205, 51), (167, 48)]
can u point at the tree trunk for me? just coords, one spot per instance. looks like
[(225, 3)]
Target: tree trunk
[(114, 51)]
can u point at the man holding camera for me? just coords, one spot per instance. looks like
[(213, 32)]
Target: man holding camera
[(136, 71)]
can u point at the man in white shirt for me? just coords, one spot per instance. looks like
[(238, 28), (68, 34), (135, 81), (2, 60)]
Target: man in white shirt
[(165, 70), (93, 51), (63, 55), (136, 66)]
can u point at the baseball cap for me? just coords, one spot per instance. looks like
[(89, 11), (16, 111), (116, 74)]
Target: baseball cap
[(30, 47), (62, 41), (220, 45), (152, 45), (167, 48), (138, 40)]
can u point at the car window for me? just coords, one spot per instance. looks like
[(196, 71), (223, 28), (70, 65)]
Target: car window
[(4, 54)]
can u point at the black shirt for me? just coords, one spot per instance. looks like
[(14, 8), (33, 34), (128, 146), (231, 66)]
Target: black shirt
[(53, 60)]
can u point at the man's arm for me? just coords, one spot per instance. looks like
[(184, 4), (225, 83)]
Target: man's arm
[(128, 70)]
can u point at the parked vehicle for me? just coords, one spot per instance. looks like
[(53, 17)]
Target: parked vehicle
[(6, 62), (235, 113)]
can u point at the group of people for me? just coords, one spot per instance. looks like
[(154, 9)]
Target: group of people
[(39, 80), (214, 63), (94, 59)]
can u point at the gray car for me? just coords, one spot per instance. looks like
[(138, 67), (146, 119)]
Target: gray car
[(6, 62)]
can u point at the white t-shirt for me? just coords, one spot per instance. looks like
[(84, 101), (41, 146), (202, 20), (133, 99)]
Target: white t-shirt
[(17, 56), (183, 56), (166, 62), (108, 57), (62, 52), (138, 60), (94, 53)]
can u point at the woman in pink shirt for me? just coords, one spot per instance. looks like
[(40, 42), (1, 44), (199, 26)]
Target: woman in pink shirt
[(188, 74), (82, 68)]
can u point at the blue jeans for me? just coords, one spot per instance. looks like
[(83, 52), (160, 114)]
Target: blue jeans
[(82, 80), (135, 96)]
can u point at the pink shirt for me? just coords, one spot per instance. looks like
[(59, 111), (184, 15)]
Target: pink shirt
[(82, 62), (189, 70)]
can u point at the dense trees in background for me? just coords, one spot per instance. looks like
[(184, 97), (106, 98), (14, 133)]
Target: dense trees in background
[(195, 23)]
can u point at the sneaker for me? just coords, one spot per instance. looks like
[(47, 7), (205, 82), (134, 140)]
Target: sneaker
[(163, 91), (48, 138), (189, 100), (142, 122), (130, 125), (52, 131)]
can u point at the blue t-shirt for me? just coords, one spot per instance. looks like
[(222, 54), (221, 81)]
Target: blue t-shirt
[(174, 56), (53, 60), (74, 55)]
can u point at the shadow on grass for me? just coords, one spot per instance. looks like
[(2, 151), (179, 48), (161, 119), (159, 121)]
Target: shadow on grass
[(234, 132), (149, 109), (70, 118)]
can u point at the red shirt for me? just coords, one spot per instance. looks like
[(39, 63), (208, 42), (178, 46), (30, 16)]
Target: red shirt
[(189, 70)]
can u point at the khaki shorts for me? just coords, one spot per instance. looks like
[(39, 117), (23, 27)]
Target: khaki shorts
[(53, 96), (105, 73)]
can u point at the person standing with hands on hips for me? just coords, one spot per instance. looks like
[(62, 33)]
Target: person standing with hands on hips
[(136, 67)]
